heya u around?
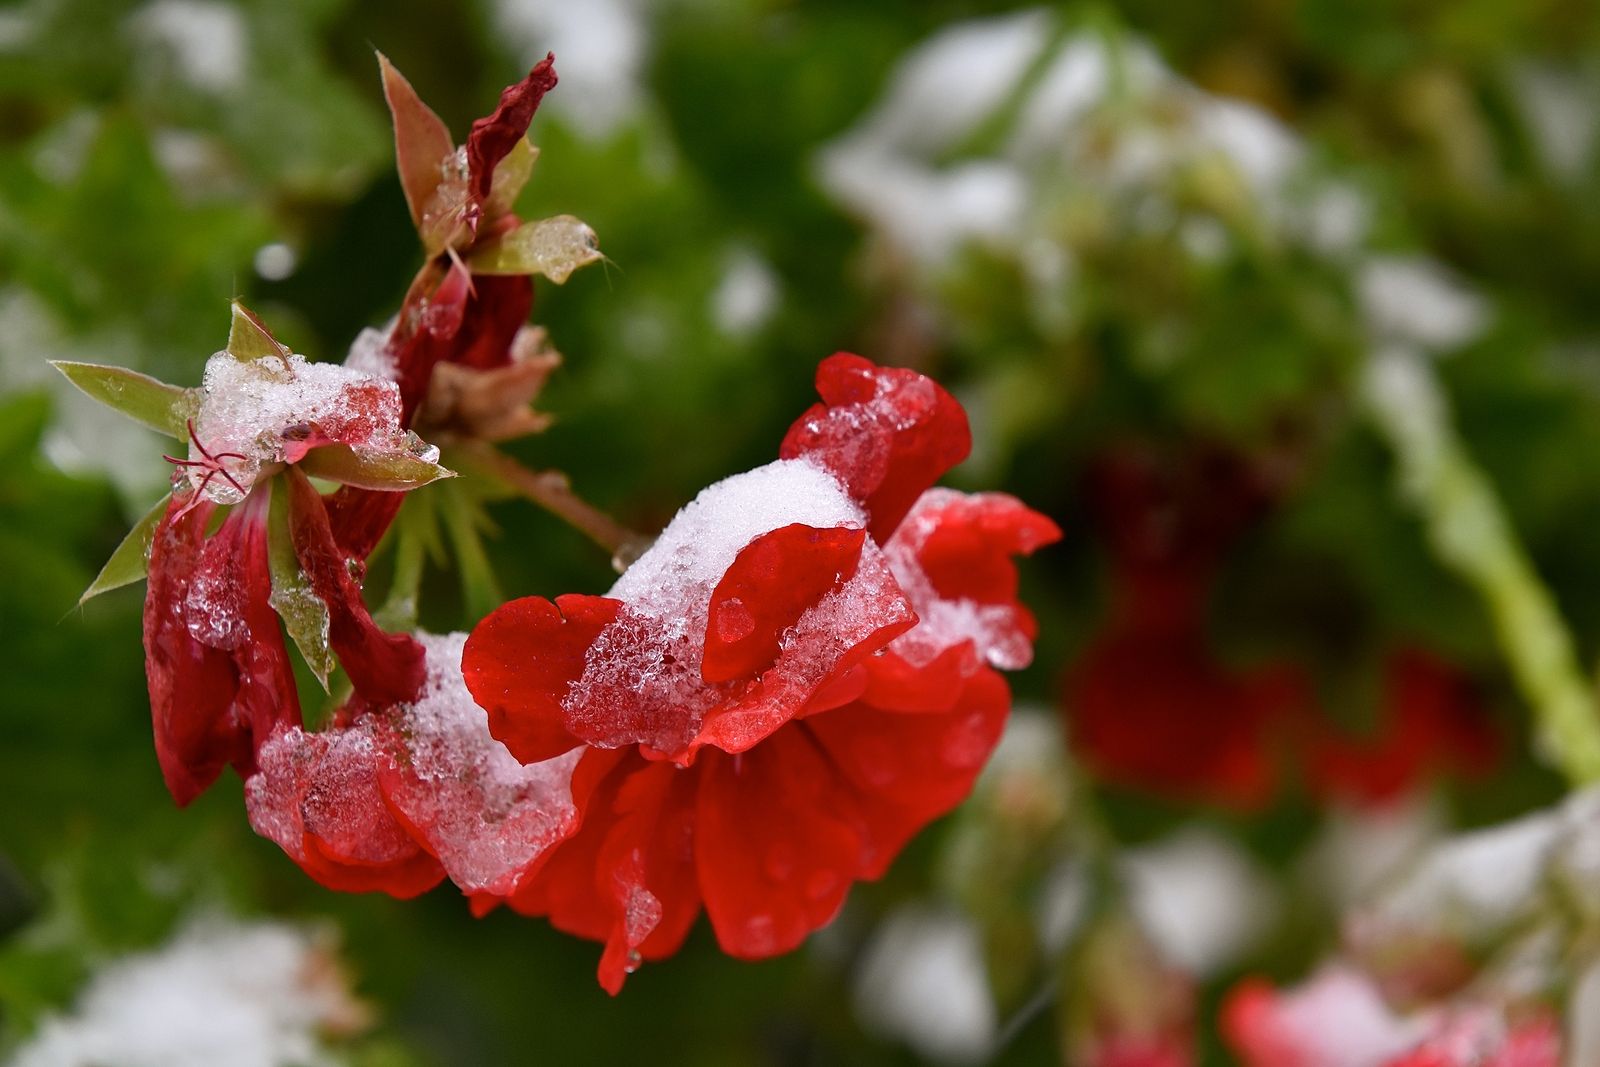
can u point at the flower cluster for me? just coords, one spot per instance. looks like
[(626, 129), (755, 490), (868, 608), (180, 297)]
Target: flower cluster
[(792, 681), (265, 420)]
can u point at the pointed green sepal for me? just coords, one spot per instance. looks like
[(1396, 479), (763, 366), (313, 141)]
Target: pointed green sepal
[(249, 338), (304, 614), (145, 400), (388, 471), (553, 247), (510, 176), (130, 562)]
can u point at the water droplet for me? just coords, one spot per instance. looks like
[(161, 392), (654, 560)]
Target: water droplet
[(780, 861), (821, 883), (734, 621)]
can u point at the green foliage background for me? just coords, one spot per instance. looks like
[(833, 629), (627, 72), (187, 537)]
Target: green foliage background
[(107, 255)]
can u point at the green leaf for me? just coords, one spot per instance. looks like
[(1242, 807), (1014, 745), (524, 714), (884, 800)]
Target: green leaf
[(145, 400), (391, 471), (416, 540), (304, 614), (553, 247), (249, 338), (130, 561), (422, 142)]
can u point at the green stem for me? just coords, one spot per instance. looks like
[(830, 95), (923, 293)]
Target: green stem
[(1471, 534)]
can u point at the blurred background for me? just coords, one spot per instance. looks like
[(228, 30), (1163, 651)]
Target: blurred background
[(1288, 313)]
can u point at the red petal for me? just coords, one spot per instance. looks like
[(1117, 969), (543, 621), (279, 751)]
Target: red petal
[(817, 666), (422, 142), (383, 668), (896, 684), (521, 660), (777, 844), (952, 554), (970, 539), (360, 517), (498, 308), (627, 878), (770, 584), (192, 685), (907, 770), (494, 136), (218, 670), (317, 796), (887, 433)]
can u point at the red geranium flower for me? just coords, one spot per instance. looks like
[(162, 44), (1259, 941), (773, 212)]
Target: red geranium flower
[(1150, 704), (765, 719), (396, 797), (1433, 722)]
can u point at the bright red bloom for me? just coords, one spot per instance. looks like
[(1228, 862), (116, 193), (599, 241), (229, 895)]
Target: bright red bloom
[(759, 731)]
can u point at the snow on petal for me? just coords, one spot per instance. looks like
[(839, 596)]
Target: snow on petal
[(480, 810)]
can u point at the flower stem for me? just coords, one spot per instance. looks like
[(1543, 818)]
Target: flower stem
[(552, 491)]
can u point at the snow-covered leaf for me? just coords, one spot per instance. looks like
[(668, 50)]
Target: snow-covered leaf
[(392, 471), (553, 247)]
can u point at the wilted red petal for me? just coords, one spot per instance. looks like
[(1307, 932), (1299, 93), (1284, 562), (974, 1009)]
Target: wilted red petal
[(422, 142), (907, 770), (360, 517), (317, 796), (218, 671), (192, 684), (495, 135), (772, 582), (520, 661), (887, 433), (778, 843), (497, 309), (383, 668)]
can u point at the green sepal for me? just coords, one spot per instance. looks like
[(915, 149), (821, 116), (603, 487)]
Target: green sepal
[(146, 400), (511, 175), (304, 614), (553, 247), (130, 561), (249, 338), (385, 471)]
